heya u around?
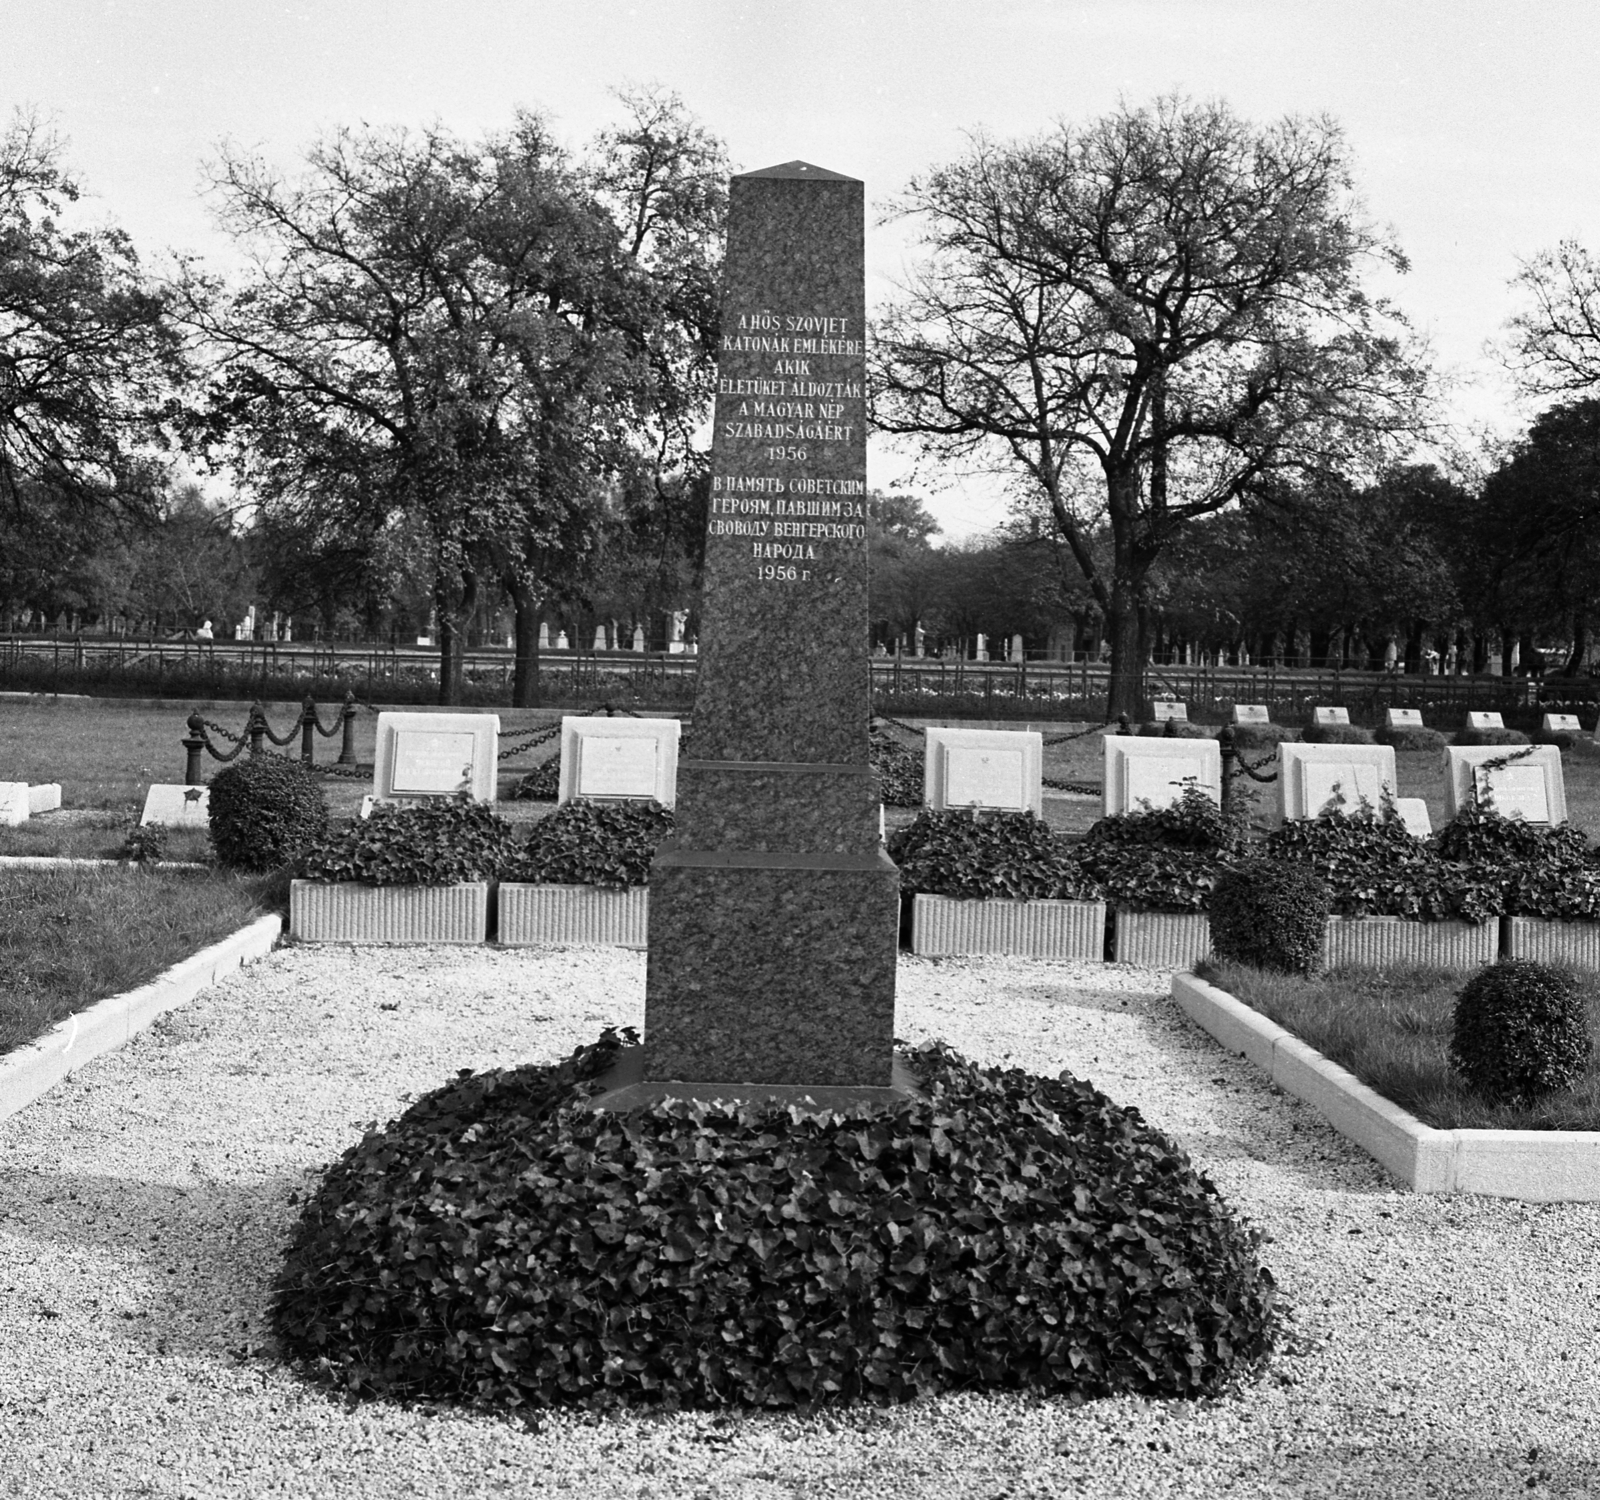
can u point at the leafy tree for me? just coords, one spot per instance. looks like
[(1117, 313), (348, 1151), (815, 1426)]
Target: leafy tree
[(1554, 344), (1167, 299), (88, 355)]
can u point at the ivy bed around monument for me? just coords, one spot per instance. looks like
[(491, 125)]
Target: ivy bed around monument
[(504, 1245)]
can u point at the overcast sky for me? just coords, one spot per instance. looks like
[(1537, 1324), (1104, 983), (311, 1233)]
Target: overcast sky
[(1474, 123)]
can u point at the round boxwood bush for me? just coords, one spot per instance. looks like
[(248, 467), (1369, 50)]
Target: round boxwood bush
[(959, 852), (1520, 1030), (608, 844), (1336, 734), (503, 1245), (1270, 914), (432, 843), (1562, 739), (1492, 737), (1409, 737), (264, 810)]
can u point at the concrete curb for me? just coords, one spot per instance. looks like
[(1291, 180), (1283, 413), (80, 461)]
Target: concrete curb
[(31, 1070), (1535, 1166)]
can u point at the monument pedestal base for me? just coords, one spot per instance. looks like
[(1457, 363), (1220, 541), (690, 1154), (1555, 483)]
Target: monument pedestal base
[(625, 1087)]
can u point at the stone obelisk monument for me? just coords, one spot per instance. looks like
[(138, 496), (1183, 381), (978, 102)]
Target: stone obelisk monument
[(773, 913)]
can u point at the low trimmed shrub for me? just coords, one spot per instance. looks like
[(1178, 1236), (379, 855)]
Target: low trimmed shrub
[(1409, 738), (1492, 737), (264, 810), (1336, 734), (1562, 739), (1270, 914), (145, 843), (503, 1246), (1520, 1030), (542, 784), (899, 770), (433, 843), (984, 856), (1257, 737), (1181, 729), (608, 844)]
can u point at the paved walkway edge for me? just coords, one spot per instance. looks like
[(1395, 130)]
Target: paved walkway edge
[(1536, 1166), (31, 1070)]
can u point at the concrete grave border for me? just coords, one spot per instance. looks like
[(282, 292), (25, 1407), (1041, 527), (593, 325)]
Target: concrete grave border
[(1536, 1166), (33, 1069)]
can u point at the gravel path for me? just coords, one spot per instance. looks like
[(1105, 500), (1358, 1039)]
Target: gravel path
[(1440, 1346)]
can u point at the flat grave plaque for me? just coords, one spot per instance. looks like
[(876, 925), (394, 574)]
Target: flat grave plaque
[(1250, 713), (1308, 773), (1562, 724), (177, 806), (1518, 791), (13, 803), (976, 777), (1331, 716), (618, 766), (1159, 779), (1413, 812), (1162, 709), (1476, 720), (1405, 718), (1321, 780), (431, 763)]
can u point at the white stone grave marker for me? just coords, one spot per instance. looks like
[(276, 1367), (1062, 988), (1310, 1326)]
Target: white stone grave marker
[(1308, 774), (13, 803), (1146, 767), (1250, 713), (998, 770), (44, 797), (1413, 812), (177, 806), (1485, 721), (1405, 718), (619, 759), (422, 757), (1562, 724), (1330, 716), (1162, 709), (1531, 786)]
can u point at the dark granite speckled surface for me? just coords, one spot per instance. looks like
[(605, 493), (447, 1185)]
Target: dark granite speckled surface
[(773, 914)]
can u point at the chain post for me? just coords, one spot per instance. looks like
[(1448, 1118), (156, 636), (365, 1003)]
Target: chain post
[(1171, 731), (194, 744), (347, 745), (308, 730), (1123, 726), (1230, 755), (257, 727)]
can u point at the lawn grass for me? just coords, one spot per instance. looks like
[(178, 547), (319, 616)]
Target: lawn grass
[(1391, 1028), (73, 936), (95, 833)]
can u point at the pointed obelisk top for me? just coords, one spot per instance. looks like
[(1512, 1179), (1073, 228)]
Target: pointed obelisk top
[(801, 169)]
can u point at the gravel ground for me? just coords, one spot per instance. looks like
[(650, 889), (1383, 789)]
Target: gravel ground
[(1439, 1346)]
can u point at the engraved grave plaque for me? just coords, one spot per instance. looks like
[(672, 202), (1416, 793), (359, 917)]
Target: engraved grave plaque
[(431, 762), (1518, 792), (614, 766), (1161, 779), (1250, 713), (984, 778)]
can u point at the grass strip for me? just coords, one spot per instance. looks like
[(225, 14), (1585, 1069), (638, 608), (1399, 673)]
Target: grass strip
[(74, 936), (1391, 1028), (95, 837)]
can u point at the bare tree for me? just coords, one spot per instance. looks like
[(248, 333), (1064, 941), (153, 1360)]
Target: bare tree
[(1555, 341), (1168, 299)]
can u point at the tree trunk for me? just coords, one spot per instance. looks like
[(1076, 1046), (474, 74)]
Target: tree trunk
[(1580, 644), (1414, 645), (1508, 646), (1321, 647), (1127, 619), (525, 670), (453, 607)]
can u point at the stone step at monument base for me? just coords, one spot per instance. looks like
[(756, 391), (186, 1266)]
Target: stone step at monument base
[(625, 1087)]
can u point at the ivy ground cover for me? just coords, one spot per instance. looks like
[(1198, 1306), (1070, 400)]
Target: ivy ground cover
[(1391, 1028)]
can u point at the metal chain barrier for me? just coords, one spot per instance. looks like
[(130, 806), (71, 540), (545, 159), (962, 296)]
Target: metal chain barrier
[(1254, 771)]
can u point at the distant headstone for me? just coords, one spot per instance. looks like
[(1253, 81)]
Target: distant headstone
[(13, 803), (994, 769), (1529, 785), (544, 635), (624, 759), (561, 640), (1405, 718), (422, 757), (1250, 713), (1162, 709), (774, 912), (638, 637), (1139, 768), (1016, 648), (44, 797), (1310, 776), (1413, 812), (1330, 716), (599, 638), (1477, 720), (1562, 724), (177, 806)]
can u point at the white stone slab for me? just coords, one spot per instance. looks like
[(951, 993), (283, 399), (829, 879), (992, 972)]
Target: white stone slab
[(1485, 721), (620, 759), (421, 757), (13, 803), (1308, 773), (43, 798), (1413, 812), (177, 806), (1562, 724), (1405, 718), (1251, 713), (1514, 793), (1145, 767), (999, 770), (1330, 716), (1162, 709)]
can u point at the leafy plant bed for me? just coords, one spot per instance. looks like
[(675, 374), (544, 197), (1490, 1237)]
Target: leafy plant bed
[(353, 912), (943, 925), (71, 937), (504, 1245), (1391, 1028), (583, 915)]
